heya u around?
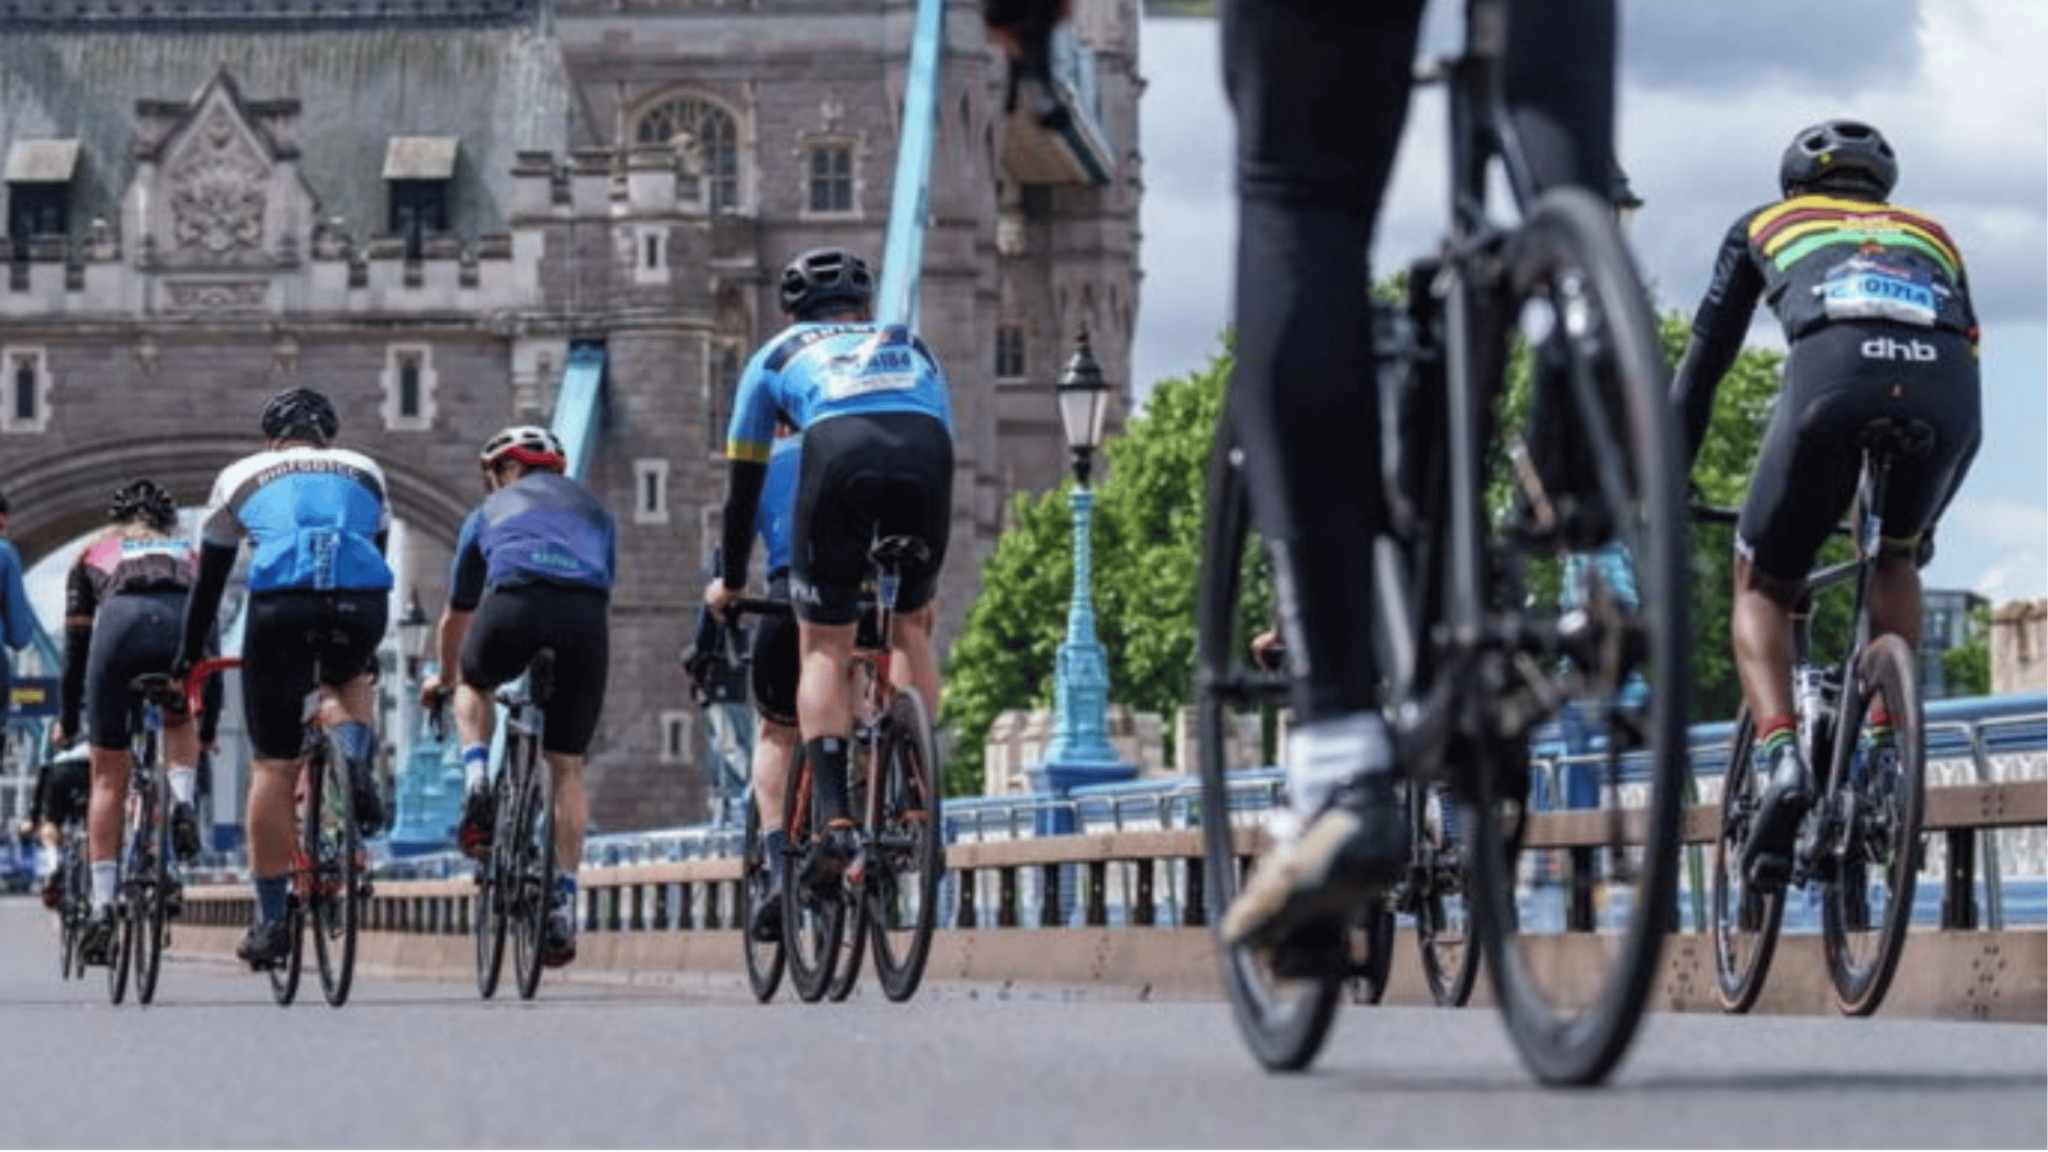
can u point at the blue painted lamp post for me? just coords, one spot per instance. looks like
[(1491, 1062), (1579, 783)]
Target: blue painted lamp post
[(429, 789), (1079, 752)]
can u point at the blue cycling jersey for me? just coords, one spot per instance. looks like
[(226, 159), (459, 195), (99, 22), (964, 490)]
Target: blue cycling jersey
[(312, 516), (775, 515), (542, 528), (812, 372)]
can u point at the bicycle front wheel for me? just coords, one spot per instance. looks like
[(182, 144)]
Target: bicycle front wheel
[(764, 957), (907, 850), (1282, 1018), (1440, 898), (334, 848), (1868, 903), (1589, 574), (488, 913), (1746, 919), (813, 905)]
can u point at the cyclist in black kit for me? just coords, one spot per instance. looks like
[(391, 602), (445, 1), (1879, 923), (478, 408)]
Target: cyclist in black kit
[(1320, 91), (1877, 318), (534, 567)]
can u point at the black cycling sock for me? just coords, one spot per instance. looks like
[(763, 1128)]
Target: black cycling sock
[(827, 757)]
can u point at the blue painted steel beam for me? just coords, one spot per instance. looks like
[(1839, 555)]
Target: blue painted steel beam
[(577, 405), (910, 201)]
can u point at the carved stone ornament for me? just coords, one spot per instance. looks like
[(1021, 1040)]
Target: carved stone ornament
[(219, 188)]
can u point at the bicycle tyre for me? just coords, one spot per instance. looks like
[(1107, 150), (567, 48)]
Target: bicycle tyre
[(1746, 921), (284, 978), (533, 864), (907, 848), (1282, 1021), (151, 889), (764, 958), (75, 906), (853, 938), (1571, 284), (121, 943), (1441, 901), (1882, 848), (333, 846), (813, 910), (1371, 941), (488, 913)]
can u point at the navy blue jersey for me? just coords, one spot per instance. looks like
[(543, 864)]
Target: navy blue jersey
[(542, 528)]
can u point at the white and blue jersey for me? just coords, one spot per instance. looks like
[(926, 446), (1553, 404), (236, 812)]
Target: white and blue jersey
[(542, 528), (313, 517), (812, 372)]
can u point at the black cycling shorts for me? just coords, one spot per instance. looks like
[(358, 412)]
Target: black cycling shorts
[(864, 476), (1837, 379), (294, 636), (776, 663), (133, 634), (517, 620), (64, 791)]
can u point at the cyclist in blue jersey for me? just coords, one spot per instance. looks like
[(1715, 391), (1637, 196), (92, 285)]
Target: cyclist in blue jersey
[(1878, 322), (17, 621), (123, 601), (871, 404), (534, 567), (316, 518)]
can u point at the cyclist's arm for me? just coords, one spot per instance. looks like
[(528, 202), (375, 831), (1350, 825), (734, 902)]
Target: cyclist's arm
[(80, 603), (742, 498), (1718, 328), (16, 620), (216, 562)]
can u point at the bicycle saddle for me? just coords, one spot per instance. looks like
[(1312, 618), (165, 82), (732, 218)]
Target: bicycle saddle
[(894, 552), (1897, 437)]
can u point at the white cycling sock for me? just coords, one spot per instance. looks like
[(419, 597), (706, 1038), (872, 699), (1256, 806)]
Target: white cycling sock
[(1326, 754), (476, 761), (103, 876), (46, 862), (184, 783)]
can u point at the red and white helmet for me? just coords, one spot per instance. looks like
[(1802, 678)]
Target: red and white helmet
[(530, 444)]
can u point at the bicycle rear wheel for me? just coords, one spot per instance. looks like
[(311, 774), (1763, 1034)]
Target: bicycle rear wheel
[(532, 860), (1867, 905), (75, 907), (488, 913), (907, 849), (1594, 662), (1441, 900), (151, 888), (1283, 1019), (764, 957), (813, 907), (853, 938), (1746, 919), (334, 849)]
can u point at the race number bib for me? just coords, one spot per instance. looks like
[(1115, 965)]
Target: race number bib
[(1866, 288), (881, 364)]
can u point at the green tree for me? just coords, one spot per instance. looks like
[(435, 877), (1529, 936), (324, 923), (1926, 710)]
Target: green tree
[(1966, 668), (1146, 545)]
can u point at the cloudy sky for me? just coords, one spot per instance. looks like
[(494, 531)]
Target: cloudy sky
[(1711, 93)]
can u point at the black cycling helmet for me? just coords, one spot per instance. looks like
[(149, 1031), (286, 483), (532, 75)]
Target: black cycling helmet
[(1839, 155), (300, 414), (144, 500), (824, 278), (530, 444)]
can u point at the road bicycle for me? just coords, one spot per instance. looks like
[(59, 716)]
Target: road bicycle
[(517, 879), (1484, 635), (1860, 728), (887, 899), (147, 888)]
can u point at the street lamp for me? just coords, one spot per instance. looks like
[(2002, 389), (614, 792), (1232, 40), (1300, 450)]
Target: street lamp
[(429, 790), (1079, 751)]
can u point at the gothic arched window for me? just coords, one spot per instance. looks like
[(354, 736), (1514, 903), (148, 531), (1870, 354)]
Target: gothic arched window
[(707, 132)]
